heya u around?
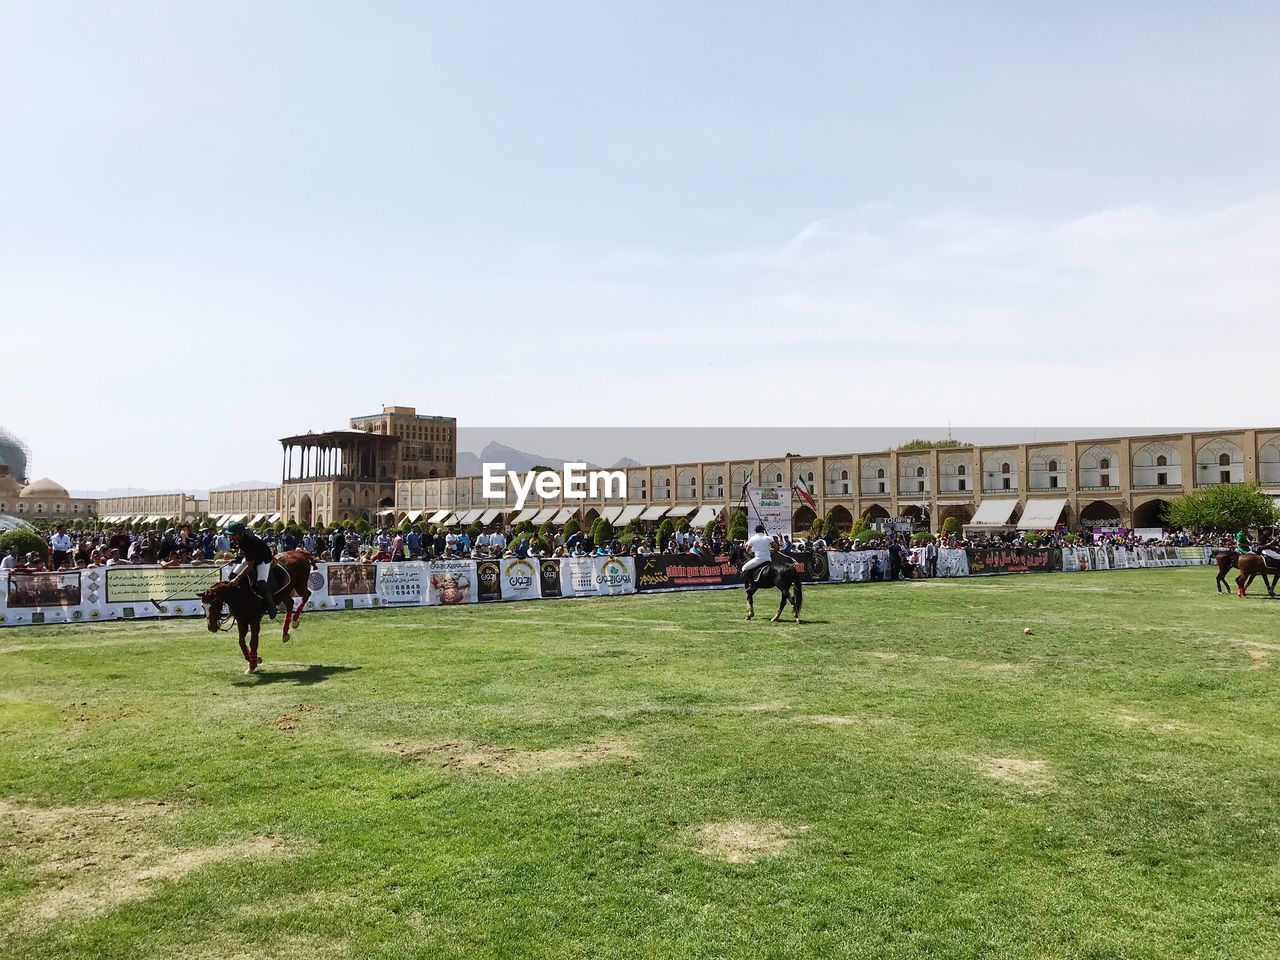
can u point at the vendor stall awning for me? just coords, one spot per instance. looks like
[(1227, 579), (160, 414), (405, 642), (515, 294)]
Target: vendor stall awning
[(488, 515), (438, 516), (680, 511), (653, 513), (471, 516), (611, 513), (545, 515), (1042, 514), (993, 513), (413, 515), (705, 515), (629, 513), (564, 515), (523, 515), (274, 518)]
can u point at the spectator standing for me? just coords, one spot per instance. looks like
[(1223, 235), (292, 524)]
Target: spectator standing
[(60, 545)]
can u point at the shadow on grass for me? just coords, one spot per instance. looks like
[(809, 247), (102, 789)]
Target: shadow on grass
[(300, 674)]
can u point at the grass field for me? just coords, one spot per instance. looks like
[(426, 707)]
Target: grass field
[(906, 775)]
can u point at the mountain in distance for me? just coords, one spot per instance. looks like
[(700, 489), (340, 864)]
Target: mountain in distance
[(469, 465)]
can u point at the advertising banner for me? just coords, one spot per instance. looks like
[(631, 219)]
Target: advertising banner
[(985, 560), (130, 584), (953, 562), (855, 566), (402, 584), (770, 505), (597, 576), (488, 580), (43, 589), (549, 577), (685, 572), (451, 582), (521, 579), (351, 579)]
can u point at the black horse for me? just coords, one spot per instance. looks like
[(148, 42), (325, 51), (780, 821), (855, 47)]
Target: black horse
[(778, 572)]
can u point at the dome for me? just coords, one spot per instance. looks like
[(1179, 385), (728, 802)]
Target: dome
[(46, 489)]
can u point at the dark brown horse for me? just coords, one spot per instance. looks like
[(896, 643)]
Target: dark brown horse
[(289, 575), (1250, 565), (780, 572)]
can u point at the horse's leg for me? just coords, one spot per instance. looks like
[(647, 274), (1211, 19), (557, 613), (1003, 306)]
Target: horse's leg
[(782, 605), (796, 598), (1240, 587), (304, 594), (244, 628), (254, 627), (751, 601), (288, 614)]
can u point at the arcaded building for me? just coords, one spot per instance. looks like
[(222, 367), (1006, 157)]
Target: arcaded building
[(1103, 482)]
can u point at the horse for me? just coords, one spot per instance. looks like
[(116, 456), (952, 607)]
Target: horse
[(289, 574), (1251, 566), (778, 572)]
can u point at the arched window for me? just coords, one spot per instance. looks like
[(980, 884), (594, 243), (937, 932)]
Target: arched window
[(1053, 466), (810, 477), (1104, 463), (919, 471), (1162, 461), (880, 474), (1224, 460), (960, 470), (844, 474), (778, 478)]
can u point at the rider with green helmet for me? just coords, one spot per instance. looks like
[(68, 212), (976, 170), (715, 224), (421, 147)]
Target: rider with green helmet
[(1242, 542), (256, 554)]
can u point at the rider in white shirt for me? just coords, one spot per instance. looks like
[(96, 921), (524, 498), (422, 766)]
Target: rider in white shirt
[(762, 546)]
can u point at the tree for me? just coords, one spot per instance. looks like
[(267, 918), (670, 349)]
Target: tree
[(952, 526), (1226, 506), (571, 527), (666, 529), (737, 524), (708, 531), (921, 538), (547, 533), (602, 531), (919, 444), (26, 541), (476, 529)]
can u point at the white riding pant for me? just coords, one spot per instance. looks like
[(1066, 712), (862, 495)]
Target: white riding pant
[(1271, 555), (753, 563), (261, 571)]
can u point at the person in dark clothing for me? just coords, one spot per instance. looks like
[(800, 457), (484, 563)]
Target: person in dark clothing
[(257, 558), (337, 541)]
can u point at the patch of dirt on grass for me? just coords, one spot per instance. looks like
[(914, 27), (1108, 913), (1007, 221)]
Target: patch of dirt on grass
[(289, 721), (1031, 775), (97, 858), (273, 946), (463, 755), (773, 706), (741, 841), (1140, 722), (1259, 653), (838, 720)]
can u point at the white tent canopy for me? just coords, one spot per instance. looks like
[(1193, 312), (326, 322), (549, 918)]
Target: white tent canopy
[(544, 515), (274, 518), (413, 515), (1042, 514), (488, 515), (680, 511), (611, 513), (629, 513), (653, 513), (993, 513), (564, 515), (526, 514), (438, 516), (706, 514), (471, 516)]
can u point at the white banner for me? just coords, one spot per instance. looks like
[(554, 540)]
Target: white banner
[(451, 582), (402, 583), (594, 576), (953, 562), (854, 566), (770, 505), (520, 579)]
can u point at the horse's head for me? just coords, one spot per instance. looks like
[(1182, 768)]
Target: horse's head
[(217, 596)]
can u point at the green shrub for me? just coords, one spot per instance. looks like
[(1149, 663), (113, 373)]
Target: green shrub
[(1032, 539), (601, 531), (571, 528), (665, 531), (921, 538), (476, 529), (26, 541), (952, 526), (862, 536)]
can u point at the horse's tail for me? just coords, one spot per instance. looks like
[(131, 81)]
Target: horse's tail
[(798, 596)]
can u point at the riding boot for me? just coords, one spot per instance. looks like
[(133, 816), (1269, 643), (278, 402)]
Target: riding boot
[(265, 592)]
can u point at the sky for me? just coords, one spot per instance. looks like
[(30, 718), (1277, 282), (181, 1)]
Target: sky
[(222, 224)]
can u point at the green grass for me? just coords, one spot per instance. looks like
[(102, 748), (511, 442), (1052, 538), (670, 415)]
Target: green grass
[(1139, 819)]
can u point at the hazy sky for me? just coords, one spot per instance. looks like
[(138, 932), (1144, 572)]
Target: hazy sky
[(225, 223)]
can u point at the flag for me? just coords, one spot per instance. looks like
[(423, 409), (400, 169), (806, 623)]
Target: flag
[(806, 494), (746, 482)]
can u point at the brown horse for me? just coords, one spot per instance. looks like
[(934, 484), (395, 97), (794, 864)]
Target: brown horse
[(289, 575), (1255, 565)]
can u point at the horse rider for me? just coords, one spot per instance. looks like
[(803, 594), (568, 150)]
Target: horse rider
[(256, 554), (761, 545), (1271, 554), (1242, 543)]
